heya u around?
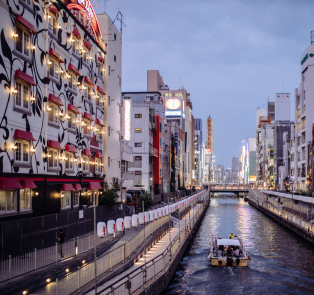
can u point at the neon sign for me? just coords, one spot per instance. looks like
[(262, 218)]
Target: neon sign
[(87, 5)]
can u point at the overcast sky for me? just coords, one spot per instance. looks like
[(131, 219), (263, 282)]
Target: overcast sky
[(230, 54)]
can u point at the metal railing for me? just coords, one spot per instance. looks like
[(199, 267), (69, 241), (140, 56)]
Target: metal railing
[(74, 281), (32, 261), (137, 279)]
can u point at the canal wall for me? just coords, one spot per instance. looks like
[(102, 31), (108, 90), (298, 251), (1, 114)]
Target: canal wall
[(294, 223), (162, 280)]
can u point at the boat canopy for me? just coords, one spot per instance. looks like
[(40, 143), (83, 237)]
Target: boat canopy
[(228, 242)]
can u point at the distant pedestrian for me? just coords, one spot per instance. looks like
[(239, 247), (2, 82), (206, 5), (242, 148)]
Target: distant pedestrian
[(61, 240)]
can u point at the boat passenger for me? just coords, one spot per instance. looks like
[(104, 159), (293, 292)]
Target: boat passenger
[(231, 236), (229, 251), (236, 253)]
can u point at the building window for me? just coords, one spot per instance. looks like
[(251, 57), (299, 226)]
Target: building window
[(137, 144), (66, 199), (69, 159), (100, 99), (54, 69), (52, 23), (109, 71), (138, 173), (98, 132), (114, 58), (138, 115), (108, 130), (85, 162), (25, 199), (75, 45), (108, 161), (138, 130), (53, 113), (22, 96), (119, 80), (123, 166), (88, 93), (76, 198), (138, 158), (72, 121), (72, 82), (115, 36), (85, 55), (6, 201), (87, 126), (53, 159), (98, 165), (22, 152), (22, 44)]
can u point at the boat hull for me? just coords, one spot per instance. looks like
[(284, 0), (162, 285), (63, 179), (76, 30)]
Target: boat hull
[(222, 262)]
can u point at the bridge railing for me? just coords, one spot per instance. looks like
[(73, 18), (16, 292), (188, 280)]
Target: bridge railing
[(228, 187)]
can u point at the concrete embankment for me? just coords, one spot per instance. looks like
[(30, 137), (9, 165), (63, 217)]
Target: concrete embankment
[(288, 220), (161, 280)]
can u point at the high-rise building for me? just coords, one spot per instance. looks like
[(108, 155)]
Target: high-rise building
[(209, 143), (235, 170)]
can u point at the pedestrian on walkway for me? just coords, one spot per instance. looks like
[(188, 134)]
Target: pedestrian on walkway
[(61, 242)]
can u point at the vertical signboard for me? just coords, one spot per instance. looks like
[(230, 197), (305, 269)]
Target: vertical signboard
[(127, 119)]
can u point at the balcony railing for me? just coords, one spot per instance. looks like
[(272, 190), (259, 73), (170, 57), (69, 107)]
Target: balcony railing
[(127, 149), (153, 152), (128, 175)]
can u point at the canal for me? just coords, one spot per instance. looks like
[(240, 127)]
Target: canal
[(282, 262)]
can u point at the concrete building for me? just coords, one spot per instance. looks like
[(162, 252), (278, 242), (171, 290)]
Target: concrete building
[(198, 153), (271, 108), (53, 124), (146, 139), (235, 170), (282, 107), (209, 143)]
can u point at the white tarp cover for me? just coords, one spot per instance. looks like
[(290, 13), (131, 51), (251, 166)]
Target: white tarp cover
[(228, 242)]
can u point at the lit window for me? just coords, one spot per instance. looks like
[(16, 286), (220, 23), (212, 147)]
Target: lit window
[(53, 159), (138, 115), (137, 144), (87, 126), (54, 69), (138, 130), (75, 45), (22, 152), (98, 165), (88, 93), (25, 199), (85, 162), (69, 158), (72, 121), (6, 200), (66, 199), (76, 198), (52, 23), (53, 113), (98, 132), (22, 96), (23, 41), (72, 82)]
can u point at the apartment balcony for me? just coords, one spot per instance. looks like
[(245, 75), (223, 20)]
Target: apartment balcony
[(153, 152), (127, 153), (128, 179)]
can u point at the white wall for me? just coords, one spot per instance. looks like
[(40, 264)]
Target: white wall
[(282, 106)]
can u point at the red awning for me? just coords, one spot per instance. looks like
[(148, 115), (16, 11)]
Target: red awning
[(10, 183), (67, 187), (99, 89), (87, 45), (101, 59), (54, 9), (77, 187), (74, 69), (73, 108), (25, 77), (76, 33), (56, 55), (28, 183), (70, 148), (55, 145), (99, 155), (24, 22), (86, 152), (94, 185), (88, 116), (88, 80), (23, 135), (100, 122), (55, 99)]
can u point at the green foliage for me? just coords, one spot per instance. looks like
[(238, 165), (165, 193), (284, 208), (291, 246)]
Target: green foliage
[(148, 201), (110, 195)]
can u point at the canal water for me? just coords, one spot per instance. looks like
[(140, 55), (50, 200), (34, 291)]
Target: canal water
[(282, 262)]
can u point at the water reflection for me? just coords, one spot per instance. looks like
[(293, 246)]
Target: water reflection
[(282, 263)]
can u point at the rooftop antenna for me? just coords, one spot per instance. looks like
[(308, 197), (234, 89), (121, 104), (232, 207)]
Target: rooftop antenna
[(119, 17), (312, 38), (105, 1)]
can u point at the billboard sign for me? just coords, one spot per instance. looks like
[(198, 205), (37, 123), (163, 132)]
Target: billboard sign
[(127, 119), (174, 106)]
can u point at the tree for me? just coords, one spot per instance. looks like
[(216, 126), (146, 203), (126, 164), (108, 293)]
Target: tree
[(173, 166), (110, 195), (148, 201)]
